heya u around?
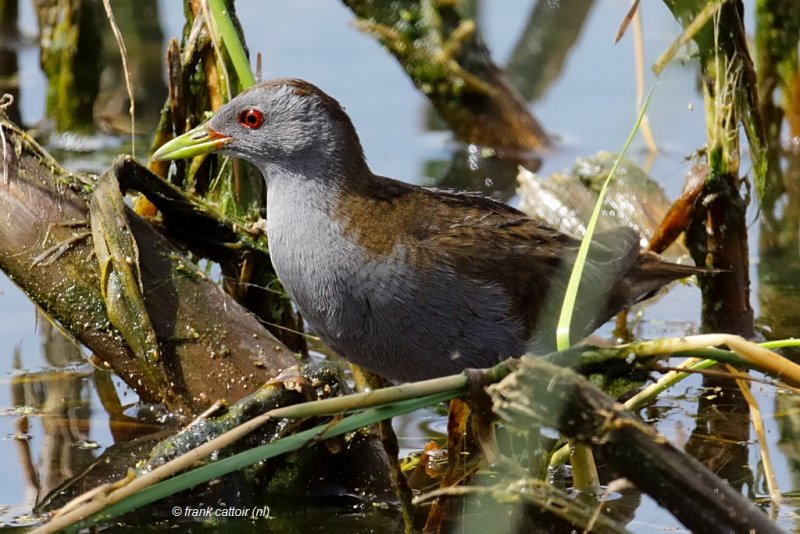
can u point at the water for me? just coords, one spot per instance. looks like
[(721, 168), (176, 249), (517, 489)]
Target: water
[(589, 107)]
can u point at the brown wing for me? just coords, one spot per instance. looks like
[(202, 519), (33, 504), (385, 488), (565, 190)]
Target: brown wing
[(492, 243), (488, 242)]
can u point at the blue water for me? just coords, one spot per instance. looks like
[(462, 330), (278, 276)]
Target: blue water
[(590, 107)]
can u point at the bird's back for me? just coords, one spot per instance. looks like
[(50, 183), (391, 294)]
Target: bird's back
[(453, 280)]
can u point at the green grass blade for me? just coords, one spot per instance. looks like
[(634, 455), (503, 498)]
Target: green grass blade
[(230, 38), (781, 343), (570, 297)]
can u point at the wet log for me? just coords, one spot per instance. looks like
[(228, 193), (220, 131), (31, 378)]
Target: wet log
[(445, 57), (211, 347), (560, 398)]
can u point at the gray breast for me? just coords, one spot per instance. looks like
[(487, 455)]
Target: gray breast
[(382, 316), (430, 324)]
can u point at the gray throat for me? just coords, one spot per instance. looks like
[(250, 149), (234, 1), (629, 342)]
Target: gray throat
[(308, 251)]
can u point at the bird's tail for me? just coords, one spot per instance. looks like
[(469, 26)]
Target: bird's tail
[(650, 273)]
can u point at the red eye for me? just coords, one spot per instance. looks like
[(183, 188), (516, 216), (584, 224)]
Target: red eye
[(251, 118)]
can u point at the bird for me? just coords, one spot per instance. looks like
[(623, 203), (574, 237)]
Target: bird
[(409, 282)]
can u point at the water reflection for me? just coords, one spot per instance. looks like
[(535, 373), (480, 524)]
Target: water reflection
[(61, 431), (539, 55), (779, 285), (61, 396), (56, 400), (472, 168), (10, 40)]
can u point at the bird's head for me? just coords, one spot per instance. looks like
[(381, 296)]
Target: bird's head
[(279, 126)]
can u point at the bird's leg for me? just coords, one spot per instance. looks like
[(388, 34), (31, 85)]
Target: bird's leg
[(622, 331), (457, 418), (366, 380)]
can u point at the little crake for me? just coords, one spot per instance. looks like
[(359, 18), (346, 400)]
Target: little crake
[(405, 281)]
